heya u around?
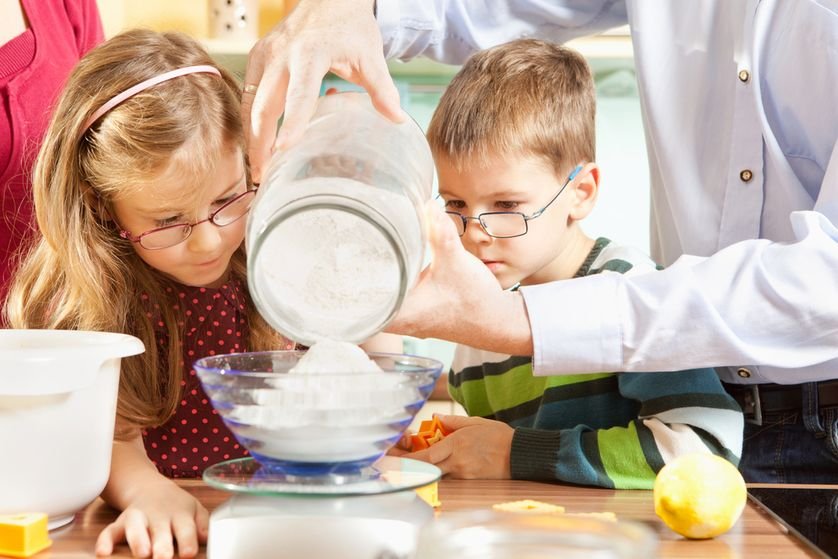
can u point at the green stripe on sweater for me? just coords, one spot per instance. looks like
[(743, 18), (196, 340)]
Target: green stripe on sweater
[(622, 453), (515, 388)]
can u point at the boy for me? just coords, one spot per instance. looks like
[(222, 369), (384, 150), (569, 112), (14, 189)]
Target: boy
[(513, 142)]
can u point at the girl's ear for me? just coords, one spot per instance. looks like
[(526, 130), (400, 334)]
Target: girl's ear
[(585, 190), (96, 205)]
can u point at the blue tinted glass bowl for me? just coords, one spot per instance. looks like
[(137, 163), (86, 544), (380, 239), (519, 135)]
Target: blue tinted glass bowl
[(310, 424)]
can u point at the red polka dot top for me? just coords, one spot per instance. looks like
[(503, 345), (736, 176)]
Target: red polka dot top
[(195, 437)]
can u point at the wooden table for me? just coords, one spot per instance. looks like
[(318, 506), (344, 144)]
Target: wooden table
[(754, 536)]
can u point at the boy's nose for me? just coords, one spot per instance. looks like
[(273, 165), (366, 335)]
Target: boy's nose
[(475, 232)]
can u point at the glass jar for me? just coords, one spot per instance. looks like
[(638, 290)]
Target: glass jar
[(336, 234)]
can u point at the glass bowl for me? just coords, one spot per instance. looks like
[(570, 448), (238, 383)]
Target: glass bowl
[(317, 423)]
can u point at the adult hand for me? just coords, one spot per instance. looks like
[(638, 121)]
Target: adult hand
[(160, 516), (458, 299), (475, 448), (286, 68)]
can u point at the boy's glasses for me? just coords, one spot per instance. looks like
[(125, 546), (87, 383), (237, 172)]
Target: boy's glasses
[(505, 225), (170, 235)]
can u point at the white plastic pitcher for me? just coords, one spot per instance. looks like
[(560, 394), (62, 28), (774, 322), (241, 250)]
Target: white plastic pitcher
[(335, 237), (58, 392)]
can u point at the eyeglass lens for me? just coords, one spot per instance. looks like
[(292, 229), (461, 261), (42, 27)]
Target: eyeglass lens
[(166, 237), (499, 225)]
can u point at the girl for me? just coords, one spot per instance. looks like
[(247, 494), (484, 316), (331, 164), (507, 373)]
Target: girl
[(141, 189)]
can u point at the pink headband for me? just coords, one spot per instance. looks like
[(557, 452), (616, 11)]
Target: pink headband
[(131, 91)]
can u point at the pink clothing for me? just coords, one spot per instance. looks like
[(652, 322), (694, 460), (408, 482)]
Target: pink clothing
[(196, 437), (34, 66)]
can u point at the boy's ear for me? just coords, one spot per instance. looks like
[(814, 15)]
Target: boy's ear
[(585, 190)]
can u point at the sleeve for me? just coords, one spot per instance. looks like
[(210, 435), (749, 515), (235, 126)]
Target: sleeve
[(684, 412), (87, 24), (756, 302), (450, 30)]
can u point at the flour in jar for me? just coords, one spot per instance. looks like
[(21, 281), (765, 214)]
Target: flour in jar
[(331, 270), (334, 260)]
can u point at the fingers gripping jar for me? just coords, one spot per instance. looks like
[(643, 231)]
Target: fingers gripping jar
[(335, 237)]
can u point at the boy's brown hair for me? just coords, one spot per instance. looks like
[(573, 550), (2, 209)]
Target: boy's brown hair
[(526, 97)]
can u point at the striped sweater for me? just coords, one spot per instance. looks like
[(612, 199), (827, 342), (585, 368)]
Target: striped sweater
[(606, 429)]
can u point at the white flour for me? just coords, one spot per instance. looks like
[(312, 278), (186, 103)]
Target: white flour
[(329, 356), (328, 271), (335, 405), (339, 269)]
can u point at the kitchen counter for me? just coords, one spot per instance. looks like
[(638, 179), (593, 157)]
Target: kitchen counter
[(756, 535)]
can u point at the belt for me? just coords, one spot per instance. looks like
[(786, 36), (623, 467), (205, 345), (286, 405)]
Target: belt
[(757, 400)]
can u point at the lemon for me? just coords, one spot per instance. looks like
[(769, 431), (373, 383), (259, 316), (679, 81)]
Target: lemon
[(699, 496)]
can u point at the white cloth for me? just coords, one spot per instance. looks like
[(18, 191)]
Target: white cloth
[(760, 289)]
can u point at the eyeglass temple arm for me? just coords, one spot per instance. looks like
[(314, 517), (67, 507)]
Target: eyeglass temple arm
[(570, 178)]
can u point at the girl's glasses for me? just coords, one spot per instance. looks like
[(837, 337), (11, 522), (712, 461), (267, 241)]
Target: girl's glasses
[(505, 225), (170, 235)]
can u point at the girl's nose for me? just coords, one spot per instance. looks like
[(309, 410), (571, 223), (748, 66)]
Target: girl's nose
[(205, 237)]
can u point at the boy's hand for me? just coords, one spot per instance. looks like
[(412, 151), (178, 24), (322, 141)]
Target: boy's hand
[(403, 447), (159, 517), (475, 448)]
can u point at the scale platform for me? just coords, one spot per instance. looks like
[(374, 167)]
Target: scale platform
[(370, 514)]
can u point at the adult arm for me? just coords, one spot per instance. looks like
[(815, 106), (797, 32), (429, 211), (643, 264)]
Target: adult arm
[(155, 511), (343, 37), (754, 303), (449, 31)]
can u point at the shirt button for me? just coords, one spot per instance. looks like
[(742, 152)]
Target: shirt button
[(744, 373), (744, 76), (746, 175)]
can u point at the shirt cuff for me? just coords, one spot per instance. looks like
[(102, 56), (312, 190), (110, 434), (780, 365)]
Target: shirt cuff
[(575, 325), (534, 454), (388, 15)]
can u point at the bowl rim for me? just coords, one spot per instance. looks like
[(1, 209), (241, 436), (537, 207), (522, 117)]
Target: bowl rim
[(427, 365)]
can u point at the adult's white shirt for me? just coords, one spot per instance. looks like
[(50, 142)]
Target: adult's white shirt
[(740, 107)]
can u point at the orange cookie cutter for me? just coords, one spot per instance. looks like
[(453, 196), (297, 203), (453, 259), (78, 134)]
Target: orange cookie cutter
[(430, 432)]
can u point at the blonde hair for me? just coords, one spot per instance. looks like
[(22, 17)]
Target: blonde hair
[(523, 98), (80, 274)]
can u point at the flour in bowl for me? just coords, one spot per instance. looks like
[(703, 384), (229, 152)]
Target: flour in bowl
[(330, 356)]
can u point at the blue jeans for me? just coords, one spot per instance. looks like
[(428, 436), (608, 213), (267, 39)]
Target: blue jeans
[(793, 447)]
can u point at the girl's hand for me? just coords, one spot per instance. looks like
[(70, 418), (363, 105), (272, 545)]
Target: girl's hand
[(475, 448), (159, 517)]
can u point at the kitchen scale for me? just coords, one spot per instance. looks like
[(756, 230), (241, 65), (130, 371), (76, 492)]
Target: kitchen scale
[(371, 512)]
